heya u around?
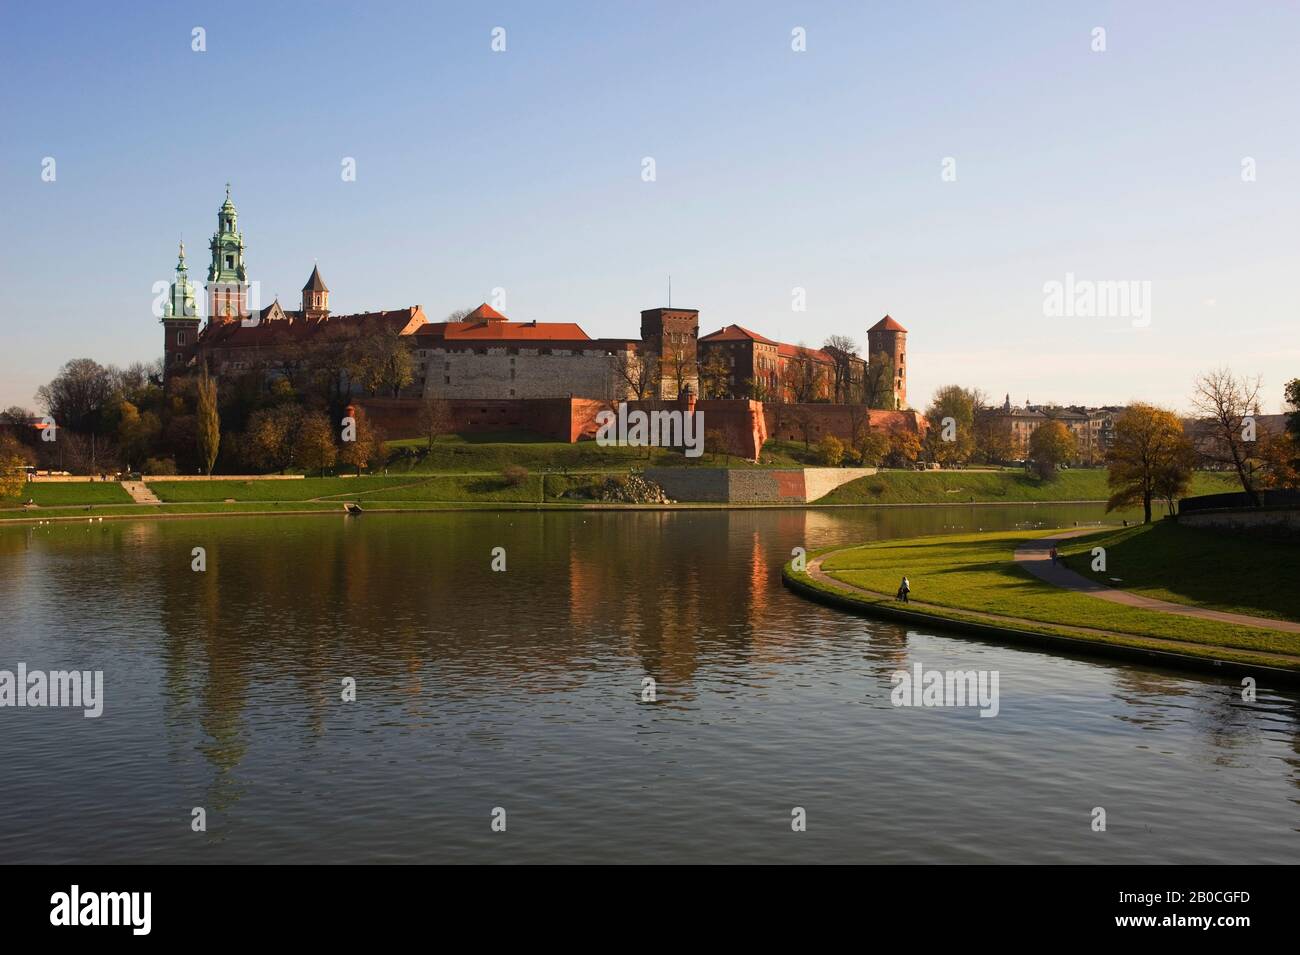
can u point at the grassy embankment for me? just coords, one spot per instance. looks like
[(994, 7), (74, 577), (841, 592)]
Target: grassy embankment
[(1196, 566), (452, 454), (964, 576), (72, 493), (986, 487)]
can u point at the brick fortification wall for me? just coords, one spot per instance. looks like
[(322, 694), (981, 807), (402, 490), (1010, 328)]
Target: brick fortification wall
[(743, 425), (785, 422), (739, 422), (560, 419)]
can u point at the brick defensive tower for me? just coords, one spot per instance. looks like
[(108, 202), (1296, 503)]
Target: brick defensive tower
[(889, 338)]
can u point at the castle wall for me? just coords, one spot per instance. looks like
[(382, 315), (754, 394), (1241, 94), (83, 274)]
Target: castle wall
[(738, 422), (786, 422), (560, 419), (525, 373)]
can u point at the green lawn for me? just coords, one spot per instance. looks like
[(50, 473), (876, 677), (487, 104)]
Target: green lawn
[(218, 490), (61, 494), (1188, 565), (977, 572), (960, 487), (410, 488), (472, 454)]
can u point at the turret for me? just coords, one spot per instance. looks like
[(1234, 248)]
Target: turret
[(315, 297)]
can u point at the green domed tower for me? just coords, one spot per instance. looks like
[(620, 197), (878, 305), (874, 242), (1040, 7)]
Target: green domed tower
[(180, 319), (227, 278)]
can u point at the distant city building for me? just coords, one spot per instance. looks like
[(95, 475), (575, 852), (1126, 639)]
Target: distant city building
[(1093, 428)]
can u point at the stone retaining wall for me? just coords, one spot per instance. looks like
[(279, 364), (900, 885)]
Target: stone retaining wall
[(1284, 520), (753, 485)]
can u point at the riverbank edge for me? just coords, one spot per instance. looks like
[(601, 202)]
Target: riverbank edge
[(148, 512), (1082, 646)]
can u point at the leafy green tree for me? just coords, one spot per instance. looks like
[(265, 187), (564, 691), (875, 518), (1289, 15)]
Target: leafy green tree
[(1292, 392), (13, 459), (269, 440), (313, 446), (830, 451), (872, 448), (1050, 446), (951, 415), (1150, 456)]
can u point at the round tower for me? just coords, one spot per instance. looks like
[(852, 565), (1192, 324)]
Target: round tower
[(887, 337)]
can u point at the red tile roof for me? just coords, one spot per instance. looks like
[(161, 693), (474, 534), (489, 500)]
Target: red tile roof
[(735, 333), (293, 328), (795, 351), (886, 324), (485, 313), (502, 330)]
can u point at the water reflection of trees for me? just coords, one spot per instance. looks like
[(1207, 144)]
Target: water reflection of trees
[(410, 607)]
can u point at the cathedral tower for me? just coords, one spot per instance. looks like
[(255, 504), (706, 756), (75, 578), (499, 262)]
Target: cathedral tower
[(227, 286), (180, 320)]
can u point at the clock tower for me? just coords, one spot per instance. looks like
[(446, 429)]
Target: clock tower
[(227, 286)]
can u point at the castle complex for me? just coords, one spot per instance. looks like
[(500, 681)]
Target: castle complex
[(486, 356)]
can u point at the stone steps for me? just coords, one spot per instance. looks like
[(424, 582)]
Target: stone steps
[(140, 492)]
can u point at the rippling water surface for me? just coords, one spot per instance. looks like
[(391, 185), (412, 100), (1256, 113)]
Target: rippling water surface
[(522, 690)]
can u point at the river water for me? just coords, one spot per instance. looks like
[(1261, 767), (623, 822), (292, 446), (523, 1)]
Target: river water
[(521, 690)]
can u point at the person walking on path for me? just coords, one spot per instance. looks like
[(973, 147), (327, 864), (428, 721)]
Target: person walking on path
[(1053, 555), (904, 589)]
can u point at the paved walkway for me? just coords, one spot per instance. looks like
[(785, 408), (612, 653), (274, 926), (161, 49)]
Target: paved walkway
[(1035, 557), (140, 492)]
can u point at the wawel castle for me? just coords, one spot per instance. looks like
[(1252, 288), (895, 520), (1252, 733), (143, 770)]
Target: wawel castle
[(487, 356)]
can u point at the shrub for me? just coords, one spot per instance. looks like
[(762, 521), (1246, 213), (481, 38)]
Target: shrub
[(162, 466), (830, 451), (515, 474)]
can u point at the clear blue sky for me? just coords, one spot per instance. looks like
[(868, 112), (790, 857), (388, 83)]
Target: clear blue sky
[(775, 169)]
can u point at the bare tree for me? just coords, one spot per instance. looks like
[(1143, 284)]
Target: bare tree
[(715, 376), (435, 419), (78, 395), (878, 386), (1226, 437), (639, 370), (799, 376), (843, 352)]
